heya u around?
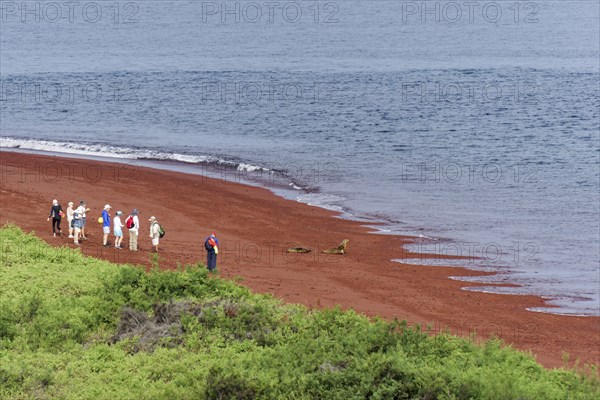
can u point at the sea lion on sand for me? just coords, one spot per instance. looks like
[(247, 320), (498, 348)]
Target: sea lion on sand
[(341, 249), (298, 250)]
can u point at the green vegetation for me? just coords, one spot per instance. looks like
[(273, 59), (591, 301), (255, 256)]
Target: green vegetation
[(74, 327)]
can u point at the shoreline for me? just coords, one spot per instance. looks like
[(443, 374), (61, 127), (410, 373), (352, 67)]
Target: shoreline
[(433, 251), (365, 279)]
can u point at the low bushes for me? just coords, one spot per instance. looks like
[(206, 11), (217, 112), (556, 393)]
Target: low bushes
[(74, 327)]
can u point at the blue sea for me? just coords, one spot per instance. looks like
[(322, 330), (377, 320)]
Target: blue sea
[(473, 126)]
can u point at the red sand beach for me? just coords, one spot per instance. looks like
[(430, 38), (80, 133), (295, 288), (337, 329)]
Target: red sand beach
[(255, 228)]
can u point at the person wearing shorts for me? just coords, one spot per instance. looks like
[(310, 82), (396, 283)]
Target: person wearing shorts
[(77, 224), (154, 233), (105, 225), (118, 229), (82, 210)]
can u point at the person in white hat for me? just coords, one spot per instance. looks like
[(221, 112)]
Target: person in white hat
[(133, 224), (56, 214), (105, 224), (77, 224), (154, 232)]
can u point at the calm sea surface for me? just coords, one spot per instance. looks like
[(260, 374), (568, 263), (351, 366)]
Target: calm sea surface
[(473, 125)]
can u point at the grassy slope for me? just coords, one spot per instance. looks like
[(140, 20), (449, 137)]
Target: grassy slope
[(73, 327)]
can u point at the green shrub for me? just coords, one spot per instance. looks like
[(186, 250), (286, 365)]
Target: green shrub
[(74, 327)]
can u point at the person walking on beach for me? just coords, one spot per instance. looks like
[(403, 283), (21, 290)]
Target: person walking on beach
[(77, 224), (211, 244), (118, 230), (56, 214), (105, 224), (70, 212), (154, 232), (133, 224), (82, 209)]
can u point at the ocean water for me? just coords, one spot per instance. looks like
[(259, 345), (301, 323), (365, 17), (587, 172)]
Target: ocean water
[(471, 126)]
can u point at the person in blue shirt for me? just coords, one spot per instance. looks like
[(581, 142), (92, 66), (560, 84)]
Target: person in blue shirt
[(211, 244), (105, 224)]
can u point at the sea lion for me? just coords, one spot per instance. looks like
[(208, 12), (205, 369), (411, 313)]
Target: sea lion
[(298, 250), (341, 249)]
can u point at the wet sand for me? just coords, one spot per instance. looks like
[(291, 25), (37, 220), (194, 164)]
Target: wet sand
[(255, 228)]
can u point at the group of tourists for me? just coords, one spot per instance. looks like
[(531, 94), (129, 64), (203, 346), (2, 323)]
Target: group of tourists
[(77, 221)]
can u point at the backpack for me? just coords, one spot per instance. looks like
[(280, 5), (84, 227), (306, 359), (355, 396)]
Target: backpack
[(161, 232), (129, 222), (207, 246)]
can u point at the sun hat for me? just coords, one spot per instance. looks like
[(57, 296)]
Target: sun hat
[(70, 204), (119, 213), (152, 218), (106, 207), (55, 202)]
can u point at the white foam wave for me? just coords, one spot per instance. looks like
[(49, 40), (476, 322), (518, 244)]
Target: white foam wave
[(323, 200), (250, 168), (64, 147), (101, 150)]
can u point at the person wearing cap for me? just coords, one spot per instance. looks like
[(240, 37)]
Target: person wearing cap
[(154, 232), (70, 212), (211, 244), (56, 214), (77, 224), (105, 224), (118, 229), (134, 230)]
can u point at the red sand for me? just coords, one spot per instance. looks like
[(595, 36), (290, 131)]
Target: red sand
[(255, 228)]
